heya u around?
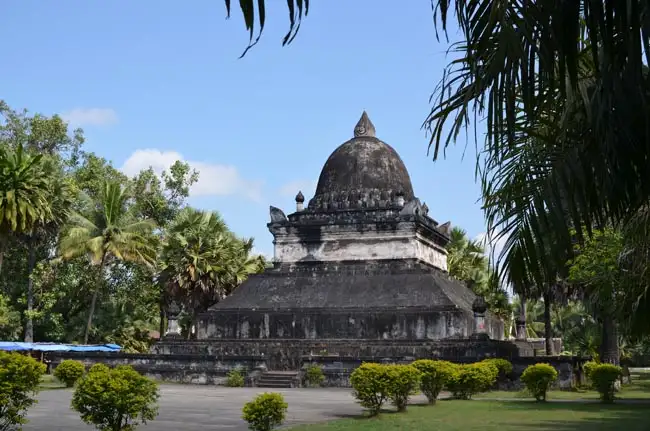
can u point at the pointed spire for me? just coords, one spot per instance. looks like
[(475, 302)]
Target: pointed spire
[(364, 127)]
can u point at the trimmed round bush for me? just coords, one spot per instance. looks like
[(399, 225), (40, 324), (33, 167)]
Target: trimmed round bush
[(403, 381), (370, 384), (20, 376), (434, 376), (504, 367), (538, 379), (604, 377), (314, 375), (117, 399), (470, 379), (265, 412), (69, 371), (235, 379)]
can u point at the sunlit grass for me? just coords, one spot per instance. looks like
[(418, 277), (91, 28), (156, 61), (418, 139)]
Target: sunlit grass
[(499, 416)]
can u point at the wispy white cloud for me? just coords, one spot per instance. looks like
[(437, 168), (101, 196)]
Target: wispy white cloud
[(214, 179), (90, 116)]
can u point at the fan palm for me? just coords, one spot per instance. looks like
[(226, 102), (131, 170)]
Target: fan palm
[(60, 203), (108, 233), (202, 261), (466, 259), (24, 193)]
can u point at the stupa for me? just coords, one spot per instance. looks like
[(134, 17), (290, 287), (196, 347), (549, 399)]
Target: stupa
[(360, 270)]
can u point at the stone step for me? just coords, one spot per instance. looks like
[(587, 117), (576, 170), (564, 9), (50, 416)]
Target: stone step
[(274, 385), (277, 379)]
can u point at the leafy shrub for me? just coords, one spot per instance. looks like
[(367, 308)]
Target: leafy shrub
[(314, 375), (538, 379), (99, 368), (69, 371), (604, 377), (403, 381), (504, 367), (115, 399), (435, 375), (235, 379), (265, 412), (588, 368), (19, 379), (471, 379), (370, 383)]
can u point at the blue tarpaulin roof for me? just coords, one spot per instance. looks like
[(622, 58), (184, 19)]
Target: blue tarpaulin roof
[(13, 346), (52, 347)]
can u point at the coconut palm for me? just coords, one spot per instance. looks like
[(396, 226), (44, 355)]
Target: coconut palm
[(24, 194), (202, 261), (108, 234)]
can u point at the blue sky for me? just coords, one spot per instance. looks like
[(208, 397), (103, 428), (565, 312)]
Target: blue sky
[(154, 81)]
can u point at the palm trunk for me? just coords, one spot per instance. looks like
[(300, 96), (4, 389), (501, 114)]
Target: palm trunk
[(31, 263), (161, 327), (93, 302), (521, 320), (548, 334), (609, 352), (3, 249)]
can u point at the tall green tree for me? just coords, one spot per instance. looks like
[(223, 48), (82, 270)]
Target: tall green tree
[(466, 259), (467, 262), (61, 196), (59, 149), (106, 234), (24, 194), (596, 268), (202, 261)]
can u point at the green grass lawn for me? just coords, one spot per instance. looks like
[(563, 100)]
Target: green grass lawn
[(48, 381), (638, 389), (516, 415), (500, 416)]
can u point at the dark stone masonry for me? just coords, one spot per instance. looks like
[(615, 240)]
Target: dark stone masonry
[(362, 262), (359, 274)]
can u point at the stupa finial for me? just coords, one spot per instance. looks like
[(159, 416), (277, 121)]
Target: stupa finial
[(364, 127)]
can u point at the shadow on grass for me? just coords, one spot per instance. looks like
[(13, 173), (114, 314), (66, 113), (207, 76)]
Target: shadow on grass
[(576, 416)]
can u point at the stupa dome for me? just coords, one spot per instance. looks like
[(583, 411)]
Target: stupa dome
[(364, 172)]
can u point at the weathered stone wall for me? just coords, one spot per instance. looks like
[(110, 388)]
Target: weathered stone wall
[(313, 324), (195, 369), (288, 354), (212, 370), (337, 242)]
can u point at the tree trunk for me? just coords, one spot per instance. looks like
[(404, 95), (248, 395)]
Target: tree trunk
[(3, 249), (93, 302), (521, 320), (548, 329), (609, 352), (161, 327), (31, 263)]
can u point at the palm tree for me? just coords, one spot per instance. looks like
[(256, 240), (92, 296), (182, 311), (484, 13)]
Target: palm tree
[(202, 261), (107, 234), (466, 260), (24, 194), (60, 202)]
